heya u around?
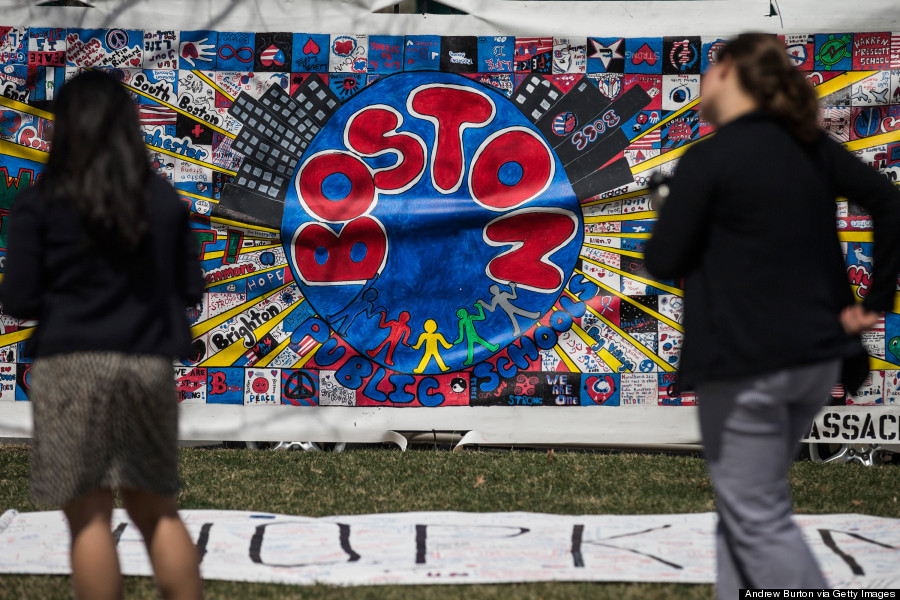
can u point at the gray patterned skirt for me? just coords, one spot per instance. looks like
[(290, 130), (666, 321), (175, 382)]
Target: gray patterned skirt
[(103, 420)]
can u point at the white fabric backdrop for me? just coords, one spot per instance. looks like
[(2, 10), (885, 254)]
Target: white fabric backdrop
[(485, 17), (486, 425)]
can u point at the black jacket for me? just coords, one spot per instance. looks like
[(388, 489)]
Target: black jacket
[(85, 299), (750, 225)]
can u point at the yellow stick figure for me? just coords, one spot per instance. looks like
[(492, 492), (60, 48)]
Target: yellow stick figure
[(431, 340)]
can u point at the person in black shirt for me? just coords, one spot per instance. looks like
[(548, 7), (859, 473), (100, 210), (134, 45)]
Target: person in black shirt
[(749, 224), (101, 253)]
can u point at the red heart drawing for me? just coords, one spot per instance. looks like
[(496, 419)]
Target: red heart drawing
[(136, 61), (343, 48), (600, 388), (310, 47), (644, 54), (272, 55), (189, 50)]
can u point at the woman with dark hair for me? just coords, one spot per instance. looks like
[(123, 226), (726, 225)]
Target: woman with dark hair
[(101, 253), (749, 224)]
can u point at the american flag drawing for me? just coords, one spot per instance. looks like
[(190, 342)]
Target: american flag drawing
[(895, 51), (306, 345), (648, 142), (271, 55), (156, 114)]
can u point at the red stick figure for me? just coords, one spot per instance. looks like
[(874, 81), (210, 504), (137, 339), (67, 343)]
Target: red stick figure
[(399, 334)]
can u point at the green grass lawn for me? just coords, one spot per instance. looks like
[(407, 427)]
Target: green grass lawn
[(387, 480)]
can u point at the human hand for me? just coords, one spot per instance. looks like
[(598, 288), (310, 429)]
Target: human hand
[(855, 319)]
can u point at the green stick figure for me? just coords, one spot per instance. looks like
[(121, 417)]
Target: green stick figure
[(431, 341), (467, 332)]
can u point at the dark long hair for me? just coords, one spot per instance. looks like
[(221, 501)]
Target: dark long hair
[(765, 72), (98, 162)]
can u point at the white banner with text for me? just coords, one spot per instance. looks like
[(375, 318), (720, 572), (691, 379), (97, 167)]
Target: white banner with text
[(855, 551)]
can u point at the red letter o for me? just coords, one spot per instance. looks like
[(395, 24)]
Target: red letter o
[(510, 145), (354, 204)]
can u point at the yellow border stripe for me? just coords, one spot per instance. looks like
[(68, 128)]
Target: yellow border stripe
[(875, 140), (633, 236), (237, 349), (14, 337), (841, 81), (213, 84), (633, 277), (192, 195), (18, 151), (242, 225), (674, 115), (196, 196), (636, 194), (25, 108), (877, 364), (213, 322), (247, 250), (635, 216), (616, 251), (611, 361), (856, 236)]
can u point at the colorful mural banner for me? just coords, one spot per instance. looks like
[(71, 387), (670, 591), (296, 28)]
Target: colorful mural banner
[(424, 221), (854, 551)]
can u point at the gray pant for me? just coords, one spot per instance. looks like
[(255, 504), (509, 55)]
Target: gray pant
[(751, 428)]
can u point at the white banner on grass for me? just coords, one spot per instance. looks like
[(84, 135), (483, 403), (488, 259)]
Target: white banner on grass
[(452, 547)]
